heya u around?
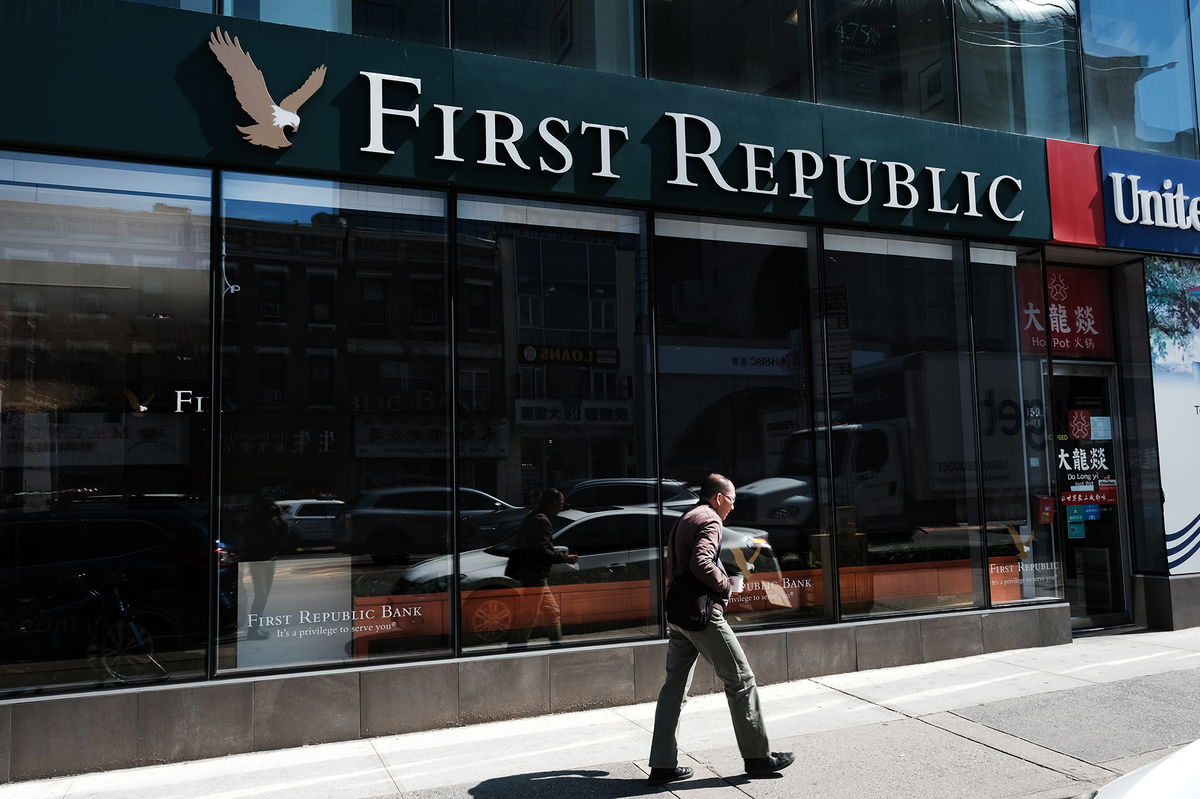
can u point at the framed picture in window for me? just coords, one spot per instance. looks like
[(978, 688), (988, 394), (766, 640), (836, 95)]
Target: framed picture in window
[(930, 86)]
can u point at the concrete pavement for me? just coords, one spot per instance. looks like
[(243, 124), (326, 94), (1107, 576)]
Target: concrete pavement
[(1045, 723)]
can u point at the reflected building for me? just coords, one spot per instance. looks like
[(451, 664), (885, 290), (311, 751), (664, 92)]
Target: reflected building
[(105, 321), (1114, 80)]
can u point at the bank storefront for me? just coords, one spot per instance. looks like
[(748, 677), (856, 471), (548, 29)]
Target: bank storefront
[(274, 397)]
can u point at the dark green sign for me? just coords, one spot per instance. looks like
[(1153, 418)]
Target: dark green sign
[(140, 82)]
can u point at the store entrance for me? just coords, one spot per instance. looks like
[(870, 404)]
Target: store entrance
[(1091, 522)]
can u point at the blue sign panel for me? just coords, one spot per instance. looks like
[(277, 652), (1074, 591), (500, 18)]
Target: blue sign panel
[(1091, 513), (1151, 202)]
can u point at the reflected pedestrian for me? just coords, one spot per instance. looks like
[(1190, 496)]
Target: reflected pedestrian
[(695, 546), (262, 541), (529, 564)]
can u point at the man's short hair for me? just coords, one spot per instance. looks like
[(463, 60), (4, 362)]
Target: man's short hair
[(715, 484)]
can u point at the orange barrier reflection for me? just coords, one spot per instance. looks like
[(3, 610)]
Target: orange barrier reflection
[(490, 614)]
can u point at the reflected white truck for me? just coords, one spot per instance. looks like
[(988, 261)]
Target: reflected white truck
[(909, 458)]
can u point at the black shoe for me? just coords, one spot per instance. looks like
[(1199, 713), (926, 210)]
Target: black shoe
[(776, 761), (661, 776)]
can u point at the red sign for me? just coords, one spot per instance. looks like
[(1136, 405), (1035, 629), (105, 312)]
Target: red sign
[(1076, 206), (1076, 322), (1099, 497), (1107, 489), (1045, 510)]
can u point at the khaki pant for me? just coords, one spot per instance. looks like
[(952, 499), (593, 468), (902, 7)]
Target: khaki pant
[(539, 607), (720, 647)]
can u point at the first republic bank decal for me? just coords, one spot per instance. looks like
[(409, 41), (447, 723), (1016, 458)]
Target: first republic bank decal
[(796, 172)]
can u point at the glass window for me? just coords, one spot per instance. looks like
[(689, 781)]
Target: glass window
[(271, 297), (605, 384), (902, 426), (318, 509), (1139, 90), (760, 48), (474, 391), (633, 494), (599, 535), (373, 305), (273, 377), (427, 301), (532, 423), (599, 34), (408, 20), (588, 497), (1015, 439), (603, 314), (320, 380), (892, 57), (735, 345), (393, 377), (533, 382), (480, 299), (321, 299), (376, 437), (105, 369), (411, 499), (529, 310), (1018, 67)]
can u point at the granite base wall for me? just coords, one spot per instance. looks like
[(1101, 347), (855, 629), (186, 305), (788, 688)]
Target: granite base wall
[(1165, 602), (56, 736)]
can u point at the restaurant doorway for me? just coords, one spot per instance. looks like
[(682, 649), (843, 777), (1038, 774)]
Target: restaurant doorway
[(1092, 523)]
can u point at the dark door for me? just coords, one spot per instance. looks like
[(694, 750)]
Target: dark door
[(1091, 520)]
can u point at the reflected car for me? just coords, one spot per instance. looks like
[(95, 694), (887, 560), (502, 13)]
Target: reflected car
[(76, 579), (1176, 776), (945, 542), (627, 492), (404, 524), (589, 494), (311, 523), (609, 585)]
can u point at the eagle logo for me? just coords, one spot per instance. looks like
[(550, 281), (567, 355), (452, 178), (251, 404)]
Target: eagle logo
[(250, 87)]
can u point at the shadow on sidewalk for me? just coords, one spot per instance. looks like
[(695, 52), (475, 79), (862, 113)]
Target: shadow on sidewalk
[(592, 783)]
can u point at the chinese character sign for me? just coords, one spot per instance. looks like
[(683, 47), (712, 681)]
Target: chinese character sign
[(1085, 462), (1073, 317)]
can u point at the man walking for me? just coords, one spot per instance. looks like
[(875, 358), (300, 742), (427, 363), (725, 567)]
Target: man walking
[(695, 546)]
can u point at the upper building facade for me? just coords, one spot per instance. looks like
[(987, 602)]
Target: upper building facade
[(305, 302)]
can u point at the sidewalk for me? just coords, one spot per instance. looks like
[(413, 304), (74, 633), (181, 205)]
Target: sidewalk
[(1044, 723)]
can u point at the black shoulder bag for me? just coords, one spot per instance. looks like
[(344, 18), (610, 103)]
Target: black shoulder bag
[(689, 601)]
